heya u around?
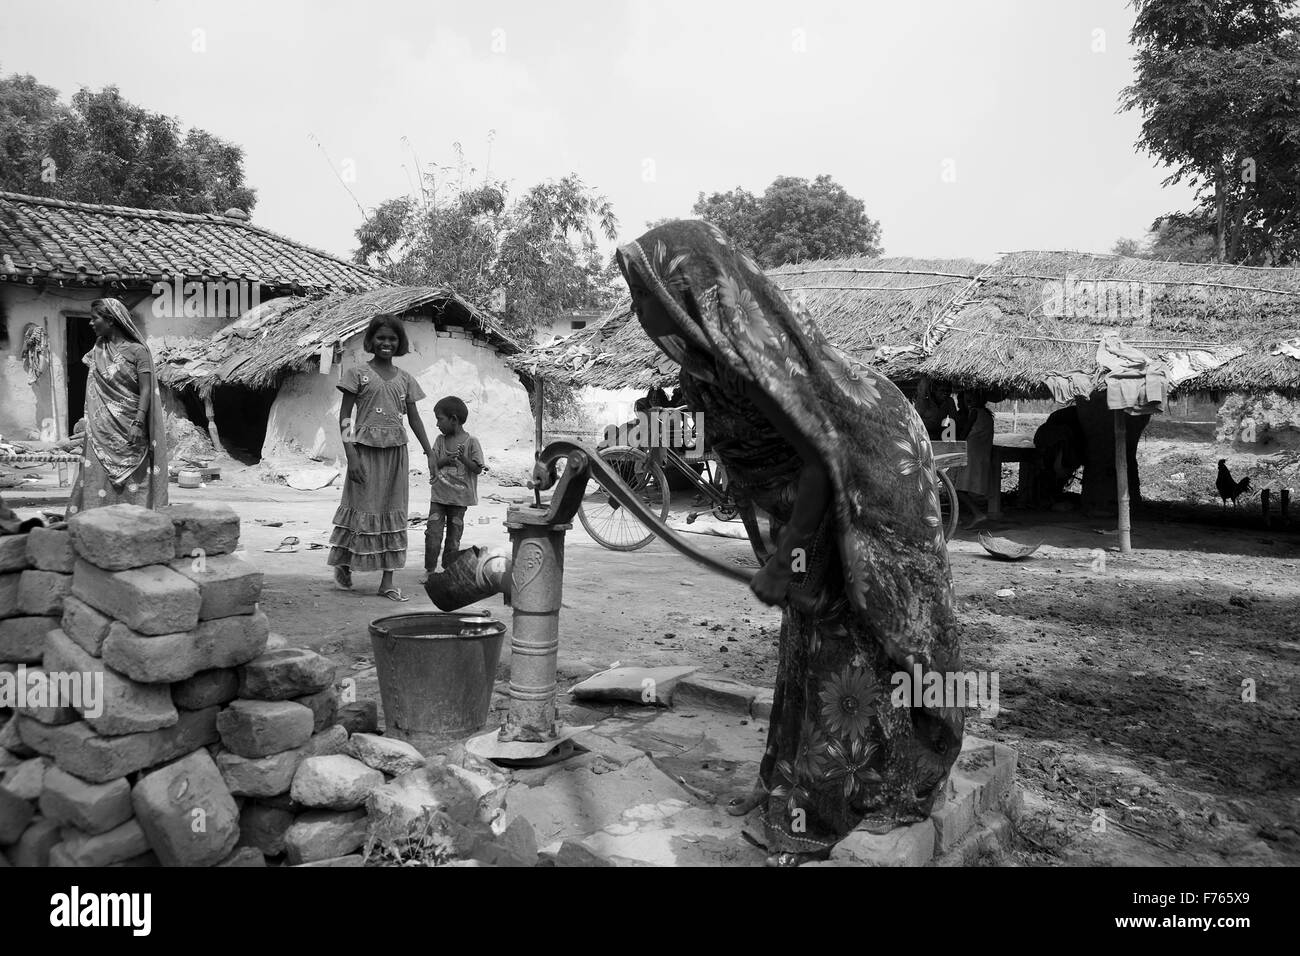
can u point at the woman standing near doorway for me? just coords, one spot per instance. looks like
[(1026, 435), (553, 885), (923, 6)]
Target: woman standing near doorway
[(124, 452)]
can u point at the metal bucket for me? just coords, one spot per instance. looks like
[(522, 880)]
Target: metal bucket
[(436, 673)]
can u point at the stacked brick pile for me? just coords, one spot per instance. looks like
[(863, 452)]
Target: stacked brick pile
[(197, 716)]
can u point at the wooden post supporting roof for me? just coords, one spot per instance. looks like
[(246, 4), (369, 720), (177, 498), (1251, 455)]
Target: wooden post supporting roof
[(538, 393), (1121, 480)]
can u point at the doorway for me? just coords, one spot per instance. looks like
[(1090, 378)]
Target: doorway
[(80, 340)]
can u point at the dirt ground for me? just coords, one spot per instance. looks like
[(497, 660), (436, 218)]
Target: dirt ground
[(1125, 684)]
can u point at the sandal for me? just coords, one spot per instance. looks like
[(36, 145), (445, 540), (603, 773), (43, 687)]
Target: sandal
[(393, 594), (343, 576)]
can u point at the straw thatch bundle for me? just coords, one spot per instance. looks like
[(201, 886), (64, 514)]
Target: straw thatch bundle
[(287, 335)]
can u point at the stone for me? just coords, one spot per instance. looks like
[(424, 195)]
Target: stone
[(360, 717), (11, 742), (352, 859), (324, 705), (187, 812), (276, 642), (335, 782), (22, 639), (903, 846), (520, 841), (207, 527), (54, 703), (77, 749), (322, 834), (244, 856), (715, 692), (120, 537), (127, 706), (216, 686), (168, 658), (285, 674), (9, 591), (15, 814), (273, 775), (987, 767), (573, 853), (13, 553), (33, 847), (761, 708), (84, 625), (227, 584), (151, 600), (954, 819), (264, 827), (144, 859), (25, 780), (386, 754), (259, 728), (630, 683), (90, 807), (118, 845), (395, 806), (50, 549), (41, 593)]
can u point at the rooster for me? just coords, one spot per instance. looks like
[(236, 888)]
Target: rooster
[(1227, 487)]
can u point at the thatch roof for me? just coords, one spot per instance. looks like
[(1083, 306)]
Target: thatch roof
[(1006, 337), (286, 335), (879, 310), (1006, 326)]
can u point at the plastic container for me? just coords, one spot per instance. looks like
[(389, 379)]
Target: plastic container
[(436, 673)]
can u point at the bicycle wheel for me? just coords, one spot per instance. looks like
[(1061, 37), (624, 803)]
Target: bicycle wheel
[(611, 525), (947, 505)]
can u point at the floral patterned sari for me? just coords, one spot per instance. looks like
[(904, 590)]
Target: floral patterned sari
[(839, 753)]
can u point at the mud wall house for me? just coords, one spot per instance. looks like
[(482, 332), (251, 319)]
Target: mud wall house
[(183, 277), (295, 349)]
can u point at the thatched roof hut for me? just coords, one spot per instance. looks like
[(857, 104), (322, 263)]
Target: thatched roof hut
[(1002, 327), (286, 335)]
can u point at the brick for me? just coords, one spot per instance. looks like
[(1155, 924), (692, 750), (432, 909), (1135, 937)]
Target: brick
[(41, 593), (324, 705), (49, 701), (244, 856), (171, 800), (33, 847), (273, 775), (212, 528), (285, 674), (86, 626), (25, 779), (227, 584), (322, 834), (152, 600), (264, 827), (215, 686), (9, 592), (904, 846), (120, 537), (90, 807), (360, 717), (118, 845), (13, 553), (11, 743), (126, 707), (15, 814), (78, 750), (954, 819), (167, 658), (334, 782), (259, 728), (386, 754), (50, 549), (22, 639)]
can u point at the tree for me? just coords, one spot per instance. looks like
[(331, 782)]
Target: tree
[(1176, 237), (1217, 88), (103, 148), (526, 261), (794, 220)]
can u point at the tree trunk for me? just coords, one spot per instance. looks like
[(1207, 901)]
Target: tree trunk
[(1220, 202), (1099, 475)]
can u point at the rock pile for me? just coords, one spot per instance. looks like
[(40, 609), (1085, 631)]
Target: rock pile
[(195, 737)]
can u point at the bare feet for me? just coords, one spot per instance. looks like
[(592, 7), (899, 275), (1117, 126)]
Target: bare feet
[(739, 806)]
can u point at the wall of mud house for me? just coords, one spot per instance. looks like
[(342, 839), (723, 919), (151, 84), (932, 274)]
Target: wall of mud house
[(304, 417)]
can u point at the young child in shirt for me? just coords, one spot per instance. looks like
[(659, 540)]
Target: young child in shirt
[(458, 458)]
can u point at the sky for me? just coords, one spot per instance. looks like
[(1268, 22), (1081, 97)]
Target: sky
[(968, 127)]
